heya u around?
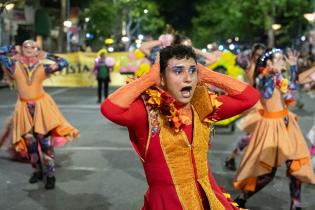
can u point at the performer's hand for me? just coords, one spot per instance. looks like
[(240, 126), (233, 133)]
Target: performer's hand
[(202, 72), (17, 49), (166, 40), (154, 72), (292, 56), (41, 55), (53, 66)]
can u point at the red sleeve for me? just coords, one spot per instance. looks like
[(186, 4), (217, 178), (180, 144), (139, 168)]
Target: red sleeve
[(234, 104), (134, 117), (124, 116)]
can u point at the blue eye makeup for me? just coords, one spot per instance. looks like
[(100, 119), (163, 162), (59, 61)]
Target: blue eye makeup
[(180, 69), (192, 70)]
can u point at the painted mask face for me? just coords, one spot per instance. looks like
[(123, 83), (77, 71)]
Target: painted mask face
[(180, 79), (30, 49)]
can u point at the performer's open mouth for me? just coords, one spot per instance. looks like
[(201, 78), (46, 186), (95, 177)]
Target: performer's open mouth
[(186, 91)]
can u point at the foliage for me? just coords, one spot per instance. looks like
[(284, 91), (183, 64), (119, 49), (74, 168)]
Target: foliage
[(103, 17), (107, 17), (42, 22), (249, 19)]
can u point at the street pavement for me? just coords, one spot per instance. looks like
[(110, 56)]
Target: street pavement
[(101, 171)]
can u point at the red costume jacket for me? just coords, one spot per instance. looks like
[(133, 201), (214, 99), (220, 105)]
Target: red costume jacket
[(176, 183)]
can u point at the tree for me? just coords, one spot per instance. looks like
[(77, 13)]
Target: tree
[(117, 18), (250, 19), (102, 16)]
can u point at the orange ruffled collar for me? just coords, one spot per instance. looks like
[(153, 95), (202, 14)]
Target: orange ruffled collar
[(166, 105)]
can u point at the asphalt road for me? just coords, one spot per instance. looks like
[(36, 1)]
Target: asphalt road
[(101, 171)]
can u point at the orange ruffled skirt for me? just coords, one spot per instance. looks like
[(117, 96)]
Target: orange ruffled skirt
[(47, 118), (272, 143), (248, 122)]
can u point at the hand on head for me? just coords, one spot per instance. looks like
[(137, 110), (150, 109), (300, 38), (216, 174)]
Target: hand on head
[(166, 40), (202, 72), (155, 70)]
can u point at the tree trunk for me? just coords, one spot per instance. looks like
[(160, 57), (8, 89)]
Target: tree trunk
[(271, 38), (61, 27)]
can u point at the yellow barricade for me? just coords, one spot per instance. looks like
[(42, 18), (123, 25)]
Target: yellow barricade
[(79, 73)]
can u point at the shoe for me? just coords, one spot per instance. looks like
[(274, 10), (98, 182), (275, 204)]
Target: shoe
[(50, 183), (36, 176), (230, 164), (241, 202)]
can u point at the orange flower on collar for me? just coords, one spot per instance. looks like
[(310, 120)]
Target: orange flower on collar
[(165, 105), (155, 97)]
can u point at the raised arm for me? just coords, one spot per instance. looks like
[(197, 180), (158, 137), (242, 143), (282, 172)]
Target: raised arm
[(59, 64), (209, 57), (292, 58), (147, 46), (117, 107), (265, 83), (240, 96), (5, 60)]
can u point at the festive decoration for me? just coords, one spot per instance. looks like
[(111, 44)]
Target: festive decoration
[(109, 61), (164, 104), (143, 69), (101, 52), (139, 54)]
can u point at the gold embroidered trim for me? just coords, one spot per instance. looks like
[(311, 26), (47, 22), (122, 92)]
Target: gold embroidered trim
[(149, 137), (29, 74), (178, 154), (202, 106), (205, 107), (200, 150)]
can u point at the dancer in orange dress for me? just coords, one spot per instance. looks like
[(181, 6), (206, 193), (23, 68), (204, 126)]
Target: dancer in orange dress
[(36, 119), (277, 138), (169, 114), (251, 116)]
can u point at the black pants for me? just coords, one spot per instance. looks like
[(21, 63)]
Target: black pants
[(100, 83)]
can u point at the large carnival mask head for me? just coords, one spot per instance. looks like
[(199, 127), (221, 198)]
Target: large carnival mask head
[(30, 48)]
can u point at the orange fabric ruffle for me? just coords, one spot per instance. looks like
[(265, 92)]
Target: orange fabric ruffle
[(47, 118)]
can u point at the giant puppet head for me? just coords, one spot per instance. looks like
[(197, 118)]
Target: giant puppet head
[(30, 49)]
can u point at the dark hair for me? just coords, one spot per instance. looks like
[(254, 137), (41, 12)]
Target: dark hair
[(175, 51), (179, 38), (257, 46), (262, 60), (242, 59)]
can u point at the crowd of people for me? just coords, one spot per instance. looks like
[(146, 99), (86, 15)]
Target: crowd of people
[(176, 105)]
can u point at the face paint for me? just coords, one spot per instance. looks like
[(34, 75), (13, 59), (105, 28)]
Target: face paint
[(181, 79), (30, 49)]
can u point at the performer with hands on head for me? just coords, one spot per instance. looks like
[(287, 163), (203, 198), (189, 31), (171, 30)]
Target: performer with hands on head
[(36, 119), (174, 113)]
